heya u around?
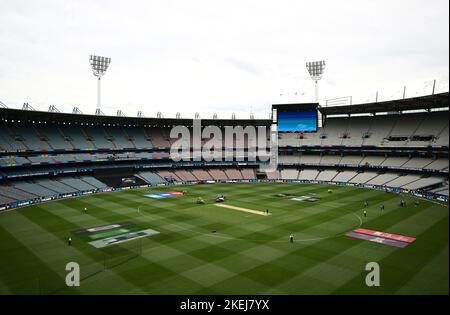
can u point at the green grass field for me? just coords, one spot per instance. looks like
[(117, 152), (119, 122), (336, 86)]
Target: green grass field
[(248, 253)]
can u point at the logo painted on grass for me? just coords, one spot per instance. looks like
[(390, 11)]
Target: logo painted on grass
[(164, 195), (73, 277), (122, 238), (110, 234), (373, 277), (390, 239), (395, 237), (305, 198)]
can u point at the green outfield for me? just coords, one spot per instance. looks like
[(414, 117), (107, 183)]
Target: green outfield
[(205, 249)]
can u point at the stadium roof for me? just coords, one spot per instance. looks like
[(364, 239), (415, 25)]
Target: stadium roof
[(85, 119), (422, 102)]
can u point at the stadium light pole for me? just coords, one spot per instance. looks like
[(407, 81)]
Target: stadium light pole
[(315, 69), (99, 66)]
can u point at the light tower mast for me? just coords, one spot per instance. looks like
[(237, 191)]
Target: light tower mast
[(99, 66), (315, 70)]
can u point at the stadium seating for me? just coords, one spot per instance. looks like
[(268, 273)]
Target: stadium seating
[(308, 174), (363, 177), (351, 160), (77, 184), (344, 176), (169, 176), (273, 175), (289, 174), (13, 193), (248, 173), (393, 180), (394, 161), (406, 130), (202, 175), (403, 130), (309, 159), (185, 176), (138, 138), (382, 179), (33, 188), (330, 160), (402, 180), (398, 150), (159, 137), (438, 164), (217, 174), (151, 178), (372, 160), (357, 128), (444, 190), (233, 174), (93, 182), (333, 132), (423, 182), (327, 175), (56, 186), (40, 188), (54, 136)]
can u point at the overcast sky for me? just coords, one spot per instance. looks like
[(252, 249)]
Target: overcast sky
[(220, 57)]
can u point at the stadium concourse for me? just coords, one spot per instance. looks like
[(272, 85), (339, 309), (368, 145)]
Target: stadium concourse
[(397, 145)]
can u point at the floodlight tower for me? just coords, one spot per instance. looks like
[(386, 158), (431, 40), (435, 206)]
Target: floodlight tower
[(99, 66), (315, 70)]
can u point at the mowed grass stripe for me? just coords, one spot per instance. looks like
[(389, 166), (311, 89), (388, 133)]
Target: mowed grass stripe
[(396, 272), (319, 253), (355, 257), (425, 278), (60, 228), (28, 274), (159, 268)]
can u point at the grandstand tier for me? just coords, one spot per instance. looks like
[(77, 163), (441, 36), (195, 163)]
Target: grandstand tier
[(402, 145)]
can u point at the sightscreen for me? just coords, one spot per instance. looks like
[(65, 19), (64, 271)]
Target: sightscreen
[(297, 121)]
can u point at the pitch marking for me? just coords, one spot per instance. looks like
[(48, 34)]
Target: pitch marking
[(242, 209)]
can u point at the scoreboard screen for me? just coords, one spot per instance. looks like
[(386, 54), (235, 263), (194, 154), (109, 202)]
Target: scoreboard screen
[(301, 118)]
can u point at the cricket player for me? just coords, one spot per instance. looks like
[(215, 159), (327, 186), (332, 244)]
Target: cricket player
[(69, 241), (85, 210), (366, 204), (365, 213), (291, 238), (382, 208)]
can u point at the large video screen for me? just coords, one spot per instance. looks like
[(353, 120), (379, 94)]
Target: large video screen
[(297, 121)]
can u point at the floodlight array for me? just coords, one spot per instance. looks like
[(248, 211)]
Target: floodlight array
[(315, 69), (99, 64)]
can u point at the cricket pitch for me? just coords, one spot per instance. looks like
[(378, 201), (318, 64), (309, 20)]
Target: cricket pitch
[(242, 209)]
